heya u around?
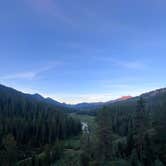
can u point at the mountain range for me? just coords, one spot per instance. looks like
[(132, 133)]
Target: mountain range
[(63, 106), (80, 106)]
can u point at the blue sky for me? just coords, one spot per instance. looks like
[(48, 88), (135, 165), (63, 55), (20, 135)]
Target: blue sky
[(77, 51)]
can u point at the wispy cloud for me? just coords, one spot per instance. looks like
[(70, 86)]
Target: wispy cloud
[(78, 98), (28, 75), (21, 75), (130, 64), (49, 7), (44, 5), (114, 86)]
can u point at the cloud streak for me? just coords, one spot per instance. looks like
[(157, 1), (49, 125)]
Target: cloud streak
[(28, 75), (128, 64), (50, 8), (78, 98), (21, 75), (42, 5)]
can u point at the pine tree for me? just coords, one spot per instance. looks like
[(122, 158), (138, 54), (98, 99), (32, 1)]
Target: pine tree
[(130, 138), (134, 159), (86, 147), (148, 152), (140, 116), (104, 135), (158, 163), (140, 126), (9, 145)]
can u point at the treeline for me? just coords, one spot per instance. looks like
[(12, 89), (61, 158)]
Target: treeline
[(154, 100), (27, 126), (127, 136)]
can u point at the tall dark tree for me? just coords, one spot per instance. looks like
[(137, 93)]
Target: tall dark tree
[(104, 135), (140, 126), (28, 124)]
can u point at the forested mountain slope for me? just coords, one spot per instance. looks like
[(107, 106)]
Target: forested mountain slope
[(96, 105), (153, 99), (28, 123), (129, 133), (33, 97)]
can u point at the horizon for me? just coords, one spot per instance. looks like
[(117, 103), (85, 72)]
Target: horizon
[(75, 103), (93, 101), (81, 51)]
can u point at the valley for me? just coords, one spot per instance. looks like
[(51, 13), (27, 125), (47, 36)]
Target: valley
[(35, 132), (82, 83)]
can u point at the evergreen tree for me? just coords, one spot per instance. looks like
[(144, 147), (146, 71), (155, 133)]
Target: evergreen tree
[(148, 152), (104, 136), (134, 159), (158, 163), (10, 151), (140, 126)]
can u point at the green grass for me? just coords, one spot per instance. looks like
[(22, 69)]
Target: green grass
[(72, 146), (90, 120), (72, 143), (71, 154)]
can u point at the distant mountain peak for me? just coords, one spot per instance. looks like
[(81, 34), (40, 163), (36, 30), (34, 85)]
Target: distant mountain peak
[(125, 98), (38, 96), (154, 92)]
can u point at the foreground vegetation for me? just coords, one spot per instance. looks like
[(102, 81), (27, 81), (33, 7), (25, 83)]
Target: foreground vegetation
[(127, 138), (128, 133), (31, 131), (134, 137)]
